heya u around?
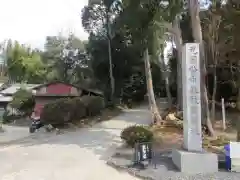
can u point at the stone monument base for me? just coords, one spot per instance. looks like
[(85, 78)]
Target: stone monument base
[(195, 162)]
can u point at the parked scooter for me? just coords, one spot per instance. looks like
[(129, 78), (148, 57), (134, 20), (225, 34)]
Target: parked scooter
[(36, 124)]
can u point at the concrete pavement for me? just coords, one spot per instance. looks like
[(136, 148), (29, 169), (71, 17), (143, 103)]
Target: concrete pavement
[(79, 155), (13, 133)]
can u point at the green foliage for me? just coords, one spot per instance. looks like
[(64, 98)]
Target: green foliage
[(6, 118), (136, 134), (23, 101), (134, 89), (93, 104), (66, 58), (79, 110), (68, 110), (134, 26), (58, 112), (24, 64)]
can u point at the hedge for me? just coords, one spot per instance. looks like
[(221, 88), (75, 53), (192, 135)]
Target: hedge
[(78, 109), (68, 110), (93, 104), (57, 112)]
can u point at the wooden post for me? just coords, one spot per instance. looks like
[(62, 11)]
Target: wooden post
[(223, 115)]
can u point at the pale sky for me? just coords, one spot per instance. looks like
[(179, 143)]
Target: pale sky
[(30, 21)]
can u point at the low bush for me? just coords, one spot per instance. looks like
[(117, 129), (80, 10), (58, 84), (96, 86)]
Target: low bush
[(79, 110), (68, 110), (57, 112), (93, 104), (6, 118), (136, 134), (11, 115)]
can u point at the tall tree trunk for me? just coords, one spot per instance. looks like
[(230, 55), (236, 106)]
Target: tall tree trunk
[(169, 96), (238, 100), (156, 117), (238, 109), (238, 96), (165, 75), (213, 37), (238, 130), (112, 80), (214, 94), (197, 35), (178, 43)]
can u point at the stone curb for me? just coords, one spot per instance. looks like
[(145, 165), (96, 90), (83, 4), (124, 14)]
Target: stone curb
[(130, 171)]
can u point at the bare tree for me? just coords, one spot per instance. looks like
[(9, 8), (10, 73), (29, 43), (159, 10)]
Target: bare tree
[(151, 97), (213, 22), (178, 42)]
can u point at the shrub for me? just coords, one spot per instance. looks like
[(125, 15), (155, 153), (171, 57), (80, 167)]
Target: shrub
[(57, 112), (6, 118), (79, 110), (63, 111), (93, 104), (23, 101), (10, 115), (136, 134), (67, 110)]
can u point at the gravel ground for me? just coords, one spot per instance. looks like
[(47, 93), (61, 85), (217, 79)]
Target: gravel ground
[(79, 155), (162, 168)]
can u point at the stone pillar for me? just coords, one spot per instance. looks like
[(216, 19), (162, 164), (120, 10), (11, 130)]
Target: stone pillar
[(192, 159), (191, 98)]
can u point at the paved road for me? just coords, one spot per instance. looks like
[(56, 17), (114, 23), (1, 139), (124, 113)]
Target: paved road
[(79, 155), (13, 133)]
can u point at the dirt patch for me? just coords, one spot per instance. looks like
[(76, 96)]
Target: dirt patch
[(167, 137), (172, 137)]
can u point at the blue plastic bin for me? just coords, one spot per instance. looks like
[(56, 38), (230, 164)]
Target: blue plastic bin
[(227, 157)]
